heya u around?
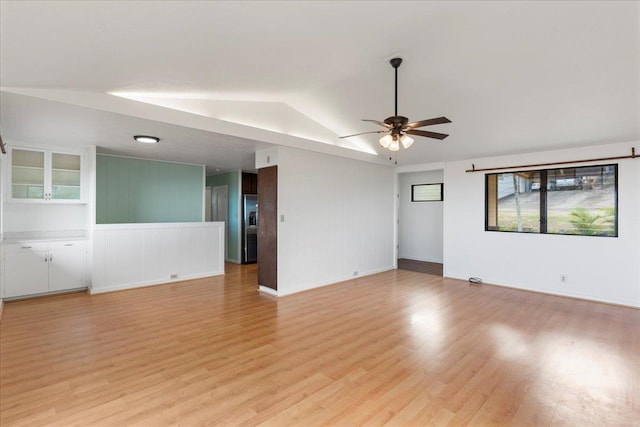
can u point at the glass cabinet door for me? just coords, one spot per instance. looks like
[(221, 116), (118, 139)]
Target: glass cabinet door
[(27, 174), (65, 176)]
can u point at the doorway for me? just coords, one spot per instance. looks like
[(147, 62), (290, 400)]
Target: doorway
[(420, 225), (219, 211)]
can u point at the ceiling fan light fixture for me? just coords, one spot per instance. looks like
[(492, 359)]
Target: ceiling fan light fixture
[(146, 139), (398, 126), (386, 140), (406, 141)]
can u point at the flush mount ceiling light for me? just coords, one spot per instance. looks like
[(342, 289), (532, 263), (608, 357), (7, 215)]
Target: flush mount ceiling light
[(146, 139), (398, 127)]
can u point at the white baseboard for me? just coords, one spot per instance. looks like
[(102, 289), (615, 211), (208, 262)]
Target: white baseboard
[(125, 286), (333, 281), (576, 296), (268, 290)]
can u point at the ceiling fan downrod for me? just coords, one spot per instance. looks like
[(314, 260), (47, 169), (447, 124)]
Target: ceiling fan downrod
[(398, 127), (395, 63)]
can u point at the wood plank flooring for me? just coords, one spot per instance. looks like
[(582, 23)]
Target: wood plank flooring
[(397, 348), (420, 266)]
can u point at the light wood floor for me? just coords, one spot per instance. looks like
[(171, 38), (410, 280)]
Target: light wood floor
[(398, 348)]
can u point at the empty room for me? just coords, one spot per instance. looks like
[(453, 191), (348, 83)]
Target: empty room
[(319, 213)]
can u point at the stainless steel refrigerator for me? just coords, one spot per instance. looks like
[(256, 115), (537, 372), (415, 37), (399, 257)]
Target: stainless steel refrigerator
[(249, 228)]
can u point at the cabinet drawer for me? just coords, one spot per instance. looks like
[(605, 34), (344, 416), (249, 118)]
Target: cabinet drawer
[(76, 244), (25, 246)]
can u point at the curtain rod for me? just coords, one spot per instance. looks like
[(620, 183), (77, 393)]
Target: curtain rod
[(632, 156)]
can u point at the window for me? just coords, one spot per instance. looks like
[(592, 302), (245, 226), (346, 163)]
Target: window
[(426, 193), (579, 201)]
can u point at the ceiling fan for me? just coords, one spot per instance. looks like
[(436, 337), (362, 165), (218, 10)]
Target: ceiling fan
[(398, 127)]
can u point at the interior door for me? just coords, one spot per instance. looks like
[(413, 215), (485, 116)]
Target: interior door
[(220, 202), (207, 204)]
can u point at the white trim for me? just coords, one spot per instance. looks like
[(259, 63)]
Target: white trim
[(153, 283), (153, 160), (134, 226), (268, 291), (576, 295), (334, 281)]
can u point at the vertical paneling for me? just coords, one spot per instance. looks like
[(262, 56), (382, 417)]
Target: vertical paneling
[(188, 195), (134, 255), (101, 187), (268, 227), (143, 191)]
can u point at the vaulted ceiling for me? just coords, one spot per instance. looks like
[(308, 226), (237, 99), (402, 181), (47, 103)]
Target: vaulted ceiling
[(218, 80)]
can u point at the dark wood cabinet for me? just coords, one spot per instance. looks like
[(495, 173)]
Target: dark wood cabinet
[(249, 183), (268, 228)]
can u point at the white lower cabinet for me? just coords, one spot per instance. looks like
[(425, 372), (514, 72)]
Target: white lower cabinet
[(37, 268)]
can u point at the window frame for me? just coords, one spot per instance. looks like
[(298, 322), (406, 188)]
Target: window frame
[(440, 184), (544, 202)]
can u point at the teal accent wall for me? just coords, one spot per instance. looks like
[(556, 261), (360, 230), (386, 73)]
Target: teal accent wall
[(142, 191), (232, 237)]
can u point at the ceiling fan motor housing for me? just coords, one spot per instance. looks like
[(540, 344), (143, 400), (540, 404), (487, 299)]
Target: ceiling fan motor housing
[(397, 124)]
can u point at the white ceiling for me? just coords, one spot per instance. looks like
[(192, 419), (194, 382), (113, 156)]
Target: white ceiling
[(218, 80)]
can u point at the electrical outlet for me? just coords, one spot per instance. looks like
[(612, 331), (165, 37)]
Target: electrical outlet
[(355, 273), (563, 278), (174, 276)]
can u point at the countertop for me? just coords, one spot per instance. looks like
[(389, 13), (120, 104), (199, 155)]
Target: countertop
[(44, 236)]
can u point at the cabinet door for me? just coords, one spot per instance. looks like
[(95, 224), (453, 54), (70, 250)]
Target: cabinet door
[(67, 266), (26, 272), (65, 176), (27, 174), (42, 175)]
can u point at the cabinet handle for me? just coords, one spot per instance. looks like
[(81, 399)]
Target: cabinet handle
[(68, 244), (50, 257), (26, 247), (46, 258)]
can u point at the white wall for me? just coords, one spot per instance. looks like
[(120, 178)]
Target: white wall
[(420, 230), (44, 217), (598, 268), (338, 219)]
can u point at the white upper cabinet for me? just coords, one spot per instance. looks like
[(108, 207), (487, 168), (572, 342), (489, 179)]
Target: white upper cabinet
[(45, 176)]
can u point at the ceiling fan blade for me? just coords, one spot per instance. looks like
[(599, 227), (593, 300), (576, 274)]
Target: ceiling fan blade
[(378, 122), (364, 133), (428, 134), (427, 122)]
